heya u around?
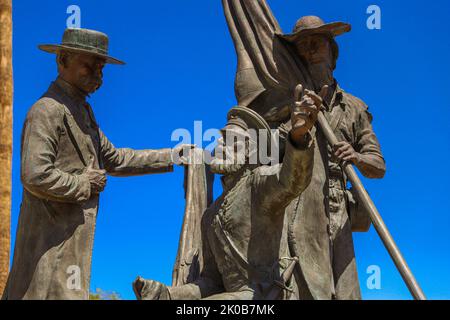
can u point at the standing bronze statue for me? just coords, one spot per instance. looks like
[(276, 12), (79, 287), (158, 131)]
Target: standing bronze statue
[(65, 160), (321, 230)]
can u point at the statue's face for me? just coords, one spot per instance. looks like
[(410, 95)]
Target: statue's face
[(315, 49), (85, 72)]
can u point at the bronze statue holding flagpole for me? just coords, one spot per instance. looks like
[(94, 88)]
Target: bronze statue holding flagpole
[(270, 64)]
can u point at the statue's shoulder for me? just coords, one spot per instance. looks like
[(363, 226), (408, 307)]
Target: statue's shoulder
[(47, 107), (353, 101), (357, 105)]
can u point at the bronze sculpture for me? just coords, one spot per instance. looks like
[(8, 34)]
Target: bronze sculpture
[(302, 207), (323, 218), (318, 229), (269, 65), (238, 263), (65, 159), (334, 258)]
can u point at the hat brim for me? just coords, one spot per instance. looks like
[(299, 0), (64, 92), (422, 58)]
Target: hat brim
[(55, 48), (334, 28)]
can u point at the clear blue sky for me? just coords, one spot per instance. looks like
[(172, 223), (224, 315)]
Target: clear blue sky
[(180, 68)]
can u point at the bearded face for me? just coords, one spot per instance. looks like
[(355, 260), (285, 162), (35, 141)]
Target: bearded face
[(315, 50)]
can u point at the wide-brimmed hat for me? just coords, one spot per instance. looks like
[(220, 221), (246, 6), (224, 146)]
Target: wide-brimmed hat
[(314, 25), (83, 41)]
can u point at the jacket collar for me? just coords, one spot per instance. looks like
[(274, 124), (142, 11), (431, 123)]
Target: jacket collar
[(338, 97), (70, 90)]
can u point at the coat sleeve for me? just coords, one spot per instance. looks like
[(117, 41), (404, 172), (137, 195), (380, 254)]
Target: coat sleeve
[(40, 139), (366, 140), (123, 162), (286, 181)]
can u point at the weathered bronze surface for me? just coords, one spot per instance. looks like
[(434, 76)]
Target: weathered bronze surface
[(278, 231), (318, 229), (64, 163), (326, 213), (245, 244), (320, 232)]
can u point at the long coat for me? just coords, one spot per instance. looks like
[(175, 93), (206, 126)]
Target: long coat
[(320, 231), (55, 233)]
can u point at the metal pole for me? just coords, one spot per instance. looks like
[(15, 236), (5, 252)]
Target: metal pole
[(375, 216)]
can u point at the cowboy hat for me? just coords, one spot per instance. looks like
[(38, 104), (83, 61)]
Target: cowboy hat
[(313, 25), (83, 41)]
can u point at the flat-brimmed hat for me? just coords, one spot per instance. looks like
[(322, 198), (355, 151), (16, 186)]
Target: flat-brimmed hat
[(83, 41), (314, 25)]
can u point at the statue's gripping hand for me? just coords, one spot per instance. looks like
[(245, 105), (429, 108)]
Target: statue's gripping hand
[(304, 113), (97, 178)]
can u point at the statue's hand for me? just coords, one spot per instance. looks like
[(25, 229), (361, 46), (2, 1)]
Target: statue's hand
[(305, 111), (150, 290), (97, 178), (344, 151), (180, 154)]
